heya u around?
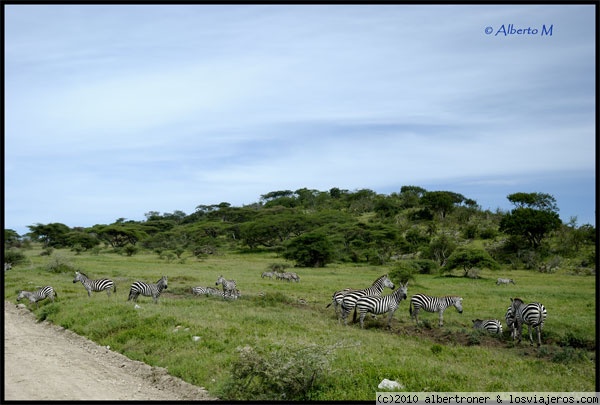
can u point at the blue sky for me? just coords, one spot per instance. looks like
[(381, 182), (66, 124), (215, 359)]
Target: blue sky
[(112, 111)]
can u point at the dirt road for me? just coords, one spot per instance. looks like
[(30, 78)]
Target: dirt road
[(46, 362)]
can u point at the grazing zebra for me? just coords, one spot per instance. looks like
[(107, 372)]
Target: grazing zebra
[(489, 325), (380, 305), (350, 298), (205, 291), (35, 296), (505, 281), (433, 304), (147, 290), (228, 285), (533, 315), (7, 266), (95, 285), (267, 274)]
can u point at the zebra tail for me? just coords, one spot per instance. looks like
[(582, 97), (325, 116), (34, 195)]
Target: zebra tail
[(114, 288), (328, 305), (354, 316), (410, 308)]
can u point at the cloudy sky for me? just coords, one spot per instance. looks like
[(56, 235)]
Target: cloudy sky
[(112, 111)]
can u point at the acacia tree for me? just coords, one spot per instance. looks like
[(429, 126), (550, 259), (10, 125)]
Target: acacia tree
[(467, 258), (533, 218), (312, 249)]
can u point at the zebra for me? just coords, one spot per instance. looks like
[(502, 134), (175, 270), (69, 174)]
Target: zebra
[(350, 298), (337, 297), (228, 285), (505, 281), (35, 296), (205, 291), (433, 304), (267, 274), (533, 315), (147, 290), (380, 305), (95, 285), (231, 294), (7, 266), (489, 325)]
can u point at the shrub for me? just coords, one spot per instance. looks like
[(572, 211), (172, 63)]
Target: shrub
[(285, 373), (14, 256), (60, 264)]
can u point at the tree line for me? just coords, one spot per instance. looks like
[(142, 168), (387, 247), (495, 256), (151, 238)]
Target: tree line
[(434, 229)]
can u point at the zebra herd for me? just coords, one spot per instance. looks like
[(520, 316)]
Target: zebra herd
[(370, 300)]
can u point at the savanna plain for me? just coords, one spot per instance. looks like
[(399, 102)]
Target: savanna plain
[(279, 340)]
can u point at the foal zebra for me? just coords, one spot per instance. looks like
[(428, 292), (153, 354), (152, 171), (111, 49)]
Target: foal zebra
[(206, 291), (433, 304), (489, 325), (228, 285), (95, 285), (380, 305), (35, 296), (505, 281), (350, 298), (510, 321), (147, 290), (533, 315)]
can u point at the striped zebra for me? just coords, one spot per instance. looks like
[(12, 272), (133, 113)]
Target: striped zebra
[(380, 305), (489, 325), (350, 298), (35, 296), (267, 274), (95, 285), (228, 285), (505, 281), (433, 304), (533, 315), (205, 291), (336, 299), (147, 290)]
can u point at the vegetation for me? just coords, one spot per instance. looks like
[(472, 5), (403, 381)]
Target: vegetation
[(252, 348)]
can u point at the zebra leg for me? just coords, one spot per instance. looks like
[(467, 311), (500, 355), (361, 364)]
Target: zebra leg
[(389, 324), (441, 321), (530, 335), (362, 319)]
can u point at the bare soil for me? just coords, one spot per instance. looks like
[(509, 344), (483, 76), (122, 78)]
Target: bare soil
[(43, 361)]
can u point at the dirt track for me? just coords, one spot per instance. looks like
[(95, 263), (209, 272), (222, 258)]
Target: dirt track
[(46, 362)]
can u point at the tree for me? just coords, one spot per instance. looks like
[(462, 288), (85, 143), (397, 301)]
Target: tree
[(310, 250), (534, 217), (51, 235), (441, 202), (467, 258)]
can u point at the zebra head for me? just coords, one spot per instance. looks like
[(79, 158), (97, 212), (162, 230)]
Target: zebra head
[(402, 290), (477, 323), (21, 295), (458, 304), (163, 281), (387, 282), (77, 277), (515, 304), (220, 280)]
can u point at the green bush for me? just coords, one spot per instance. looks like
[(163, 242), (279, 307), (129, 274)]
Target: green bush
[(285, 373), (14, 257)]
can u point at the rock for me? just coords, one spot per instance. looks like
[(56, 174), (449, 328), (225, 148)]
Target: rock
[(390, 385)]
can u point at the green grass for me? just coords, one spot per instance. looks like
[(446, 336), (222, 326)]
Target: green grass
[(452, 358)]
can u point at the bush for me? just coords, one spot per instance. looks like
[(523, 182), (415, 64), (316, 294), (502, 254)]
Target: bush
[(285, 373), (14, 257), (59, 264)]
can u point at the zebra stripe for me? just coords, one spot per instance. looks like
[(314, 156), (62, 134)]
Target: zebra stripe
[(336, 299), (350, 298), (35, 296), (505, 281), (380, 305), (228, 285), (510, 321), (533, 315), (489, 325), (147, 290), (95, 285), (433, 304)]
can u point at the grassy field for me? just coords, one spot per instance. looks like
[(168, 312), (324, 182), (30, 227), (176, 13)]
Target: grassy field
[(292, 318)]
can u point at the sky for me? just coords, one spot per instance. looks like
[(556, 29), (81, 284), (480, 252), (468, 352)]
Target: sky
[(113, 111)]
